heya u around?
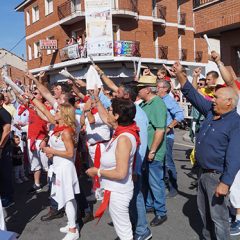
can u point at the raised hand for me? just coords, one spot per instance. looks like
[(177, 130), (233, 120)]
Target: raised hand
[(215, 57), (197, 72)]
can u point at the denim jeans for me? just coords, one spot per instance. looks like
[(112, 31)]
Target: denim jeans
[(213, 210), (137, 208), (170, 169), (156, 188), (6, 182)]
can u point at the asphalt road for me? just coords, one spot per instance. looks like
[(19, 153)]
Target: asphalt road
[(183, 222)]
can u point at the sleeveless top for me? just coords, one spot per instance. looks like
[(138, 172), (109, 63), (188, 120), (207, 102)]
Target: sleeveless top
[(108, 162)]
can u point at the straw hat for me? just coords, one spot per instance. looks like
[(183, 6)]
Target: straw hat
[(147, 81)]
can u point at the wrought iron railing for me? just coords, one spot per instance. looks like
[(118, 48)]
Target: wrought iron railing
[(163, 52), (182, 18), (128, 5), (160, 11), (198, 3), (183, 54), (68, 8), (198, 56)]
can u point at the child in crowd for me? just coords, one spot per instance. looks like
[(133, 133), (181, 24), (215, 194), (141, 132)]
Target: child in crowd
[(17, 159)]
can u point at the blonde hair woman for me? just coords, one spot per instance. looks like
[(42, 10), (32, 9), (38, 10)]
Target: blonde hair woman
[(62, 172)]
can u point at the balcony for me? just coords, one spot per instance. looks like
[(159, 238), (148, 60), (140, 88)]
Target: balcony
[(121, 49), (69, 13), (159, 14), (162, 52), (198, 56), (202, 3), (183, 54), (124, 8), (182, 20)]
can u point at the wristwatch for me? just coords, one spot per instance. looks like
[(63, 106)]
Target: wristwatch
[(99, 173)]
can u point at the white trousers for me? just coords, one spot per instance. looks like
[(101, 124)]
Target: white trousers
[(119, 212), (71, 212), (235, 191), (37, 159)]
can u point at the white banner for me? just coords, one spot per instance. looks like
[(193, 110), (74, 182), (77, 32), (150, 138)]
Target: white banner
[(99, 27)]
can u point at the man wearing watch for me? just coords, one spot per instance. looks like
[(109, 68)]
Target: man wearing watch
[(174, 116), (6, 186)]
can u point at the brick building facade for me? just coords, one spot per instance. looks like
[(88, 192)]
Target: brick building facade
[(221, 20), (164, 30), (16, 66)]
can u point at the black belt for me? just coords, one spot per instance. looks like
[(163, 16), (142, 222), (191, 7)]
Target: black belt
[(210, 171)]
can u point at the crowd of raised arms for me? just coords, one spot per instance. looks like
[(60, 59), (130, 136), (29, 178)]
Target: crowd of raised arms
[(121, 138)]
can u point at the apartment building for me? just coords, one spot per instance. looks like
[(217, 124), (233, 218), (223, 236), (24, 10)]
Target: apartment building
[(221, 20), (156, 31), (16, 66)]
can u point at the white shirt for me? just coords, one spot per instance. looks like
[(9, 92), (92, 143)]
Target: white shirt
[(98, 131)]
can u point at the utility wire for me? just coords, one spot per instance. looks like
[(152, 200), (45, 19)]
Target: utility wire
[(14, 46)]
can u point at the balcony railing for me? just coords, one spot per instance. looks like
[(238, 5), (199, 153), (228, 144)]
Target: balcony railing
[(121, 48), (163, 52), (127, 48), (73, 51), (182, 18), (67, 9), (160, 12), (198, 56), (125, 5), (198, 3), (183, 54)]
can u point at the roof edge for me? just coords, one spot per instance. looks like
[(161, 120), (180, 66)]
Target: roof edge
[(14, 54), (19, 8)]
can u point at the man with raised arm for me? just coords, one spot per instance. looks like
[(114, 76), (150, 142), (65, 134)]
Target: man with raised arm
[(217, 152), (235, 189)]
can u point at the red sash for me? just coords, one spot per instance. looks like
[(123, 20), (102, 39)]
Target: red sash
[(134, 130), (97, 157)]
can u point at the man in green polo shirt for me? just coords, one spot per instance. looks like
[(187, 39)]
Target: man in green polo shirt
[(156, 112)]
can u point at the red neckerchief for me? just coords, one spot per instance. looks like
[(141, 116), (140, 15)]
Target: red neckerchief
[(134, 130), (21, 109), (61, 128), (94, 110)]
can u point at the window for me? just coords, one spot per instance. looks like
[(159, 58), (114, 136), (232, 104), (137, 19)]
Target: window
[(27, 18), (48, 6), (29, 52), (116, 33), (36, 50), (35, 14)]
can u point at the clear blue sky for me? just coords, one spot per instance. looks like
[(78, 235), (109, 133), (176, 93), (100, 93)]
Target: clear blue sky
[(12, 27)]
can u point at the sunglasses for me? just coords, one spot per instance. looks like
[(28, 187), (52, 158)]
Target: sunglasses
[(35, 93), (200, 84)]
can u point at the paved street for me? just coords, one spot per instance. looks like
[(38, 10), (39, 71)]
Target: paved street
[(183, 219)]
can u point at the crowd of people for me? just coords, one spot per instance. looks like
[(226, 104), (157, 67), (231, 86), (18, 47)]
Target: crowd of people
[(121, 137)]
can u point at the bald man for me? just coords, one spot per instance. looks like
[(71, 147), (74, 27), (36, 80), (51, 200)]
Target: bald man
[(217, 152)]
